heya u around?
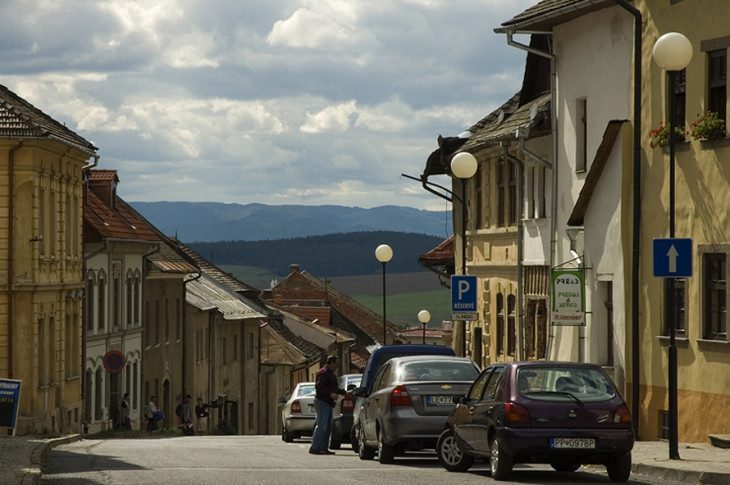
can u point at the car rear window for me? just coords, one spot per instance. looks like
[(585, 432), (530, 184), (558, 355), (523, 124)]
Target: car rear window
[(305, 390), (438, 371), (560, 383)]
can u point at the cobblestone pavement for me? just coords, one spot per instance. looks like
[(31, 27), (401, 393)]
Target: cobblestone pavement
[(21, 458)]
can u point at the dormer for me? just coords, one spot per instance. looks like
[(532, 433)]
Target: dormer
[(103, 183)]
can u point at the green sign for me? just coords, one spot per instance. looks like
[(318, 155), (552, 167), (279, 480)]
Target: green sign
[(568, 297)]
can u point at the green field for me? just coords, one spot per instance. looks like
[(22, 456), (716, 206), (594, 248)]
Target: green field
[(403, 308)]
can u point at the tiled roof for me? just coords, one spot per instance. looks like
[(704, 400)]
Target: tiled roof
[(491, 129), (312, 351), (290, 354), (168, 260), (102, 175), (20, 119), (214, 271), (441, 254), (120, 222), (206, 293), (547, 13)]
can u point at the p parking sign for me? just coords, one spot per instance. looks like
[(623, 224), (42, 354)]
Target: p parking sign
[(464, 297)]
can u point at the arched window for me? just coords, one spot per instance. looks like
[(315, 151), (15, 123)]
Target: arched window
[(101, 317), (500, 323), (90, 316), (511, 330), (98, 395)]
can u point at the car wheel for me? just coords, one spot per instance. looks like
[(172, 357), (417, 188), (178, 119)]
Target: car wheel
[(499, 462), (565, 466), (450, 455), (386, 453), (286, 436), (353, 440), (363, 450), (620, 469), (335, 444)]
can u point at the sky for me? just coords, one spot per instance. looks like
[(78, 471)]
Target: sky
[(271, 101)]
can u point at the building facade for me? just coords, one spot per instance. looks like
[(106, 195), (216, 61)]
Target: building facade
[(41, 260)]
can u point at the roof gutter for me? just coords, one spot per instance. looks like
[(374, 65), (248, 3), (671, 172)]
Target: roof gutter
[(523, 27)]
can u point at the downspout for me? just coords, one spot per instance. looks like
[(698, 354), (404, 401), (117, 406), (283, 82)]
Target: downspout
[(84, 189), (636, 229), (11, 251), (554, 171)]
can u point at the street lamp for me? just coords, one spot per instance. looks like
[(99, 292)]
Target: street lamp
[(384, 253), (424, 317), (672, 52), (463, 166)]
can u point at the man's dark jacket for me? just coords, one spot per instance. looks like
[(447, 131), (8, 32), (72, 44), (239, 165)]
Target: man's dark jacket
[(326, 384)]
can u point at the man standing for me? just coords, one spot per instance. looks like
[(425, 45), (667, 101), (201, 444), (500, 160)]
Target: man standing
[(324, 402)]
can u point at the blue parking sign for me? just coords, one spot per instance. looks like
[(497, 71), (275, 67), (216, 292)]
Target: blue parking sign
[(673, 258), (463, 297)]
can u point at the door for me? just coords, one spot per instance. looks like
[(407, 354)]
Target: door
[(372, 404), (461, 420), (114, 398), (482, 412)]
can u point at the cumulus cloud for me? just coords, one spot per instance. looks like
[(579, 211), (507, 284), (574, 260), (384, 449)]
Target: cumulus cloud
[(274, 101)]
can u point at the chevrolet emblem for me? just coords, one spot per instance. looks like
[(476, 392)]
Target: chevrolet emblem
[(446, 386)]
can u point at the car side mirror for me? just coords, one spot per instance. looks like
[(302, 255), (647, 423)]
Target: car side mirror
[(459, 399), (359, 392)]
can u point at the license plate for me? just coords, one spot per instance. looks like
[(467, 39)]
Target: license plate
[(438, 400), (573, 443)]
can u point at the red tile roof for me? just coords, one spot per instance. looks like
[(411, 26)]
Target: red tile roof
[(120, 222), (441, 254), (103, 175)]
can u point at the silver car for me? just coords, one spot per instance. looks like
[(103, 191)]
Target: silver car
[(298, 414), (410, 403)]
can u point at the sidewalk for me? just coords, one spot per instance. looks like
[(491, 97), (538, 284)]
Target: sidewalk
[(700, 462), (21, 458)]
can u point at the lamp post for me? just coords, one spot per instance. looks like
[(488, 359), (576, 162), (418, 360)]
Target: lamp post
[(672, 52), (424, 317), (463, 166), (384, 253)]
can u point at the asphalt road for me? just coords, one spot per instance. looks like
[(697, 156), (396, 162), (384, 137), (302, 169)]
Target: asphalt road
[(262, 460)]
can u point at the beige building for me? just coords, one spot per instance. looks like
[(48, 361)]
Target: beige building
[(41, 260)]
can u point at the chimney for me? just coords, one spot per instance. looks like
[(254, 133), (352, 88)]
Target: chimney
[(103, 183), (294, 268)]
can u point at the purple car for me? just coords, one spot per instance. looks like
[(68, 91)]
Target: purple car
[(564, 414)]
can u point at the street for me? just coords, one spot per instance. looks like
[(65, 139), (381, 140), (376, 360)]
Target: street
[(262, 460)]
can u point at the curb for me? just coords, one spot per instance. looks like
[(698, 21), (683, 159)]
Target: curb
[(34, 473), (679, 475)]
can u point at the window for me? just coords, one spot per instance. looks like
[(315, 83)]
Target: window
[(530, 192), (116, 296), (249, 346), (250, 416), (147, 333), (42, 220), (541, 196), (69, 227), (235, 348), (167, 320), (135, 386), (157, 321), (52, 355), (88, 396), (581, 135), (178, 318), (53, 230), (500, 323), (137, 316), (664, 423), (500, 192), (224, 354), (98, 395), (128, 379), (717, 82), (680, 99), (674, 305), (511, 330), (42, 353), (90, 303), (478, 199), (69, 336), (492, 389), (715, 296), (130, 298), (477, 389), (512, 193), (102, 301)]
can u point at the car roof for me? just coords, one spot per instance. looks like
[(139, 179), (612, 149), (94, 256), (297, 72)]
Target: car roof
[(306, 384), (414, 349), (350, 376), (553, 363), (429, 358)]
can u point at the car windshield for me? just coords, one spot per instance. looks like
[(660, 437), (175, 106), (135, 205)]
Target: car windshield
[(354, 381), (438, 371), (305, 390), (560, 383)]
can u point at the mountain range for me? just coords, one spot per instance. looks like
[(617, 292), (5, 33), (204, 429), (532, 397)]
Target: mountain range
[(214, 221)]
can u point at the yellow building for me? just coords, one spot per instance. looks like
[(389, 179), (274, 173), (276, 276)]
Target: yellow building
[(41, 259), (699, 303)]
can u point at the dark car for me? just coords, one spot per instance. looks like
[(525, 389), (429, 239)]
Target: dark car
[(564, 414), (342, 413), (410, 402), (380, 356)]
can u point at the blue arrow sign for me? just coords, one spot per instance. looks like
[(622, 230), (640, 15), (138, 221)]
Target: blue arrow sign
[(673, 258)]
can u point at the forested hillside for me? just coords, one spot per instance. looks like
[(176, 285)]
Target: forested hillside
[(330, 255)]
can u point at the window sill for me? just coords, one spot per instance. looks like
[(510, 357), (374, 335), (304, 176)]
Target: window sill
[(714, 144), (664, 340), (711, 342), (72, 378), (679, 145)]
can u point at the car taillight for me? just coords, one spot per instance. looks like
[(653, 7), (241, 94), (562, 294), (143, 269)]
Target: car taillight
[(516, 414), (347, 405), (622, 415), (296, 407), (399, 397)]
